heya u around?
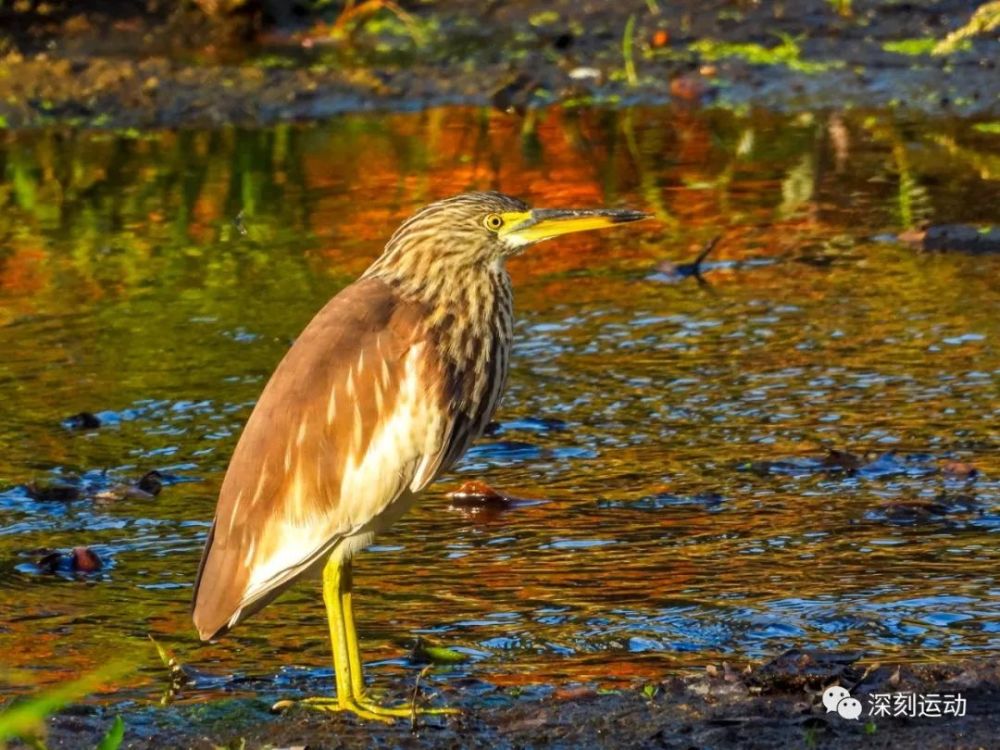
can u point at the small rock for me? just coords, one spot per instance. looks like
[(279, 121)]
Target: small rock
[(52, 493), (79, 560), (689, 87), (916, 510), (584, 73), (85, 560), (811, 668), (842, 460), (963, 238), (514, 94), (85, 420), (151, 482)]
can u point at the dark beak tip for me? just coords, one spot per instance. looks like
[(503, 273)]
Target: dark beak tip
[(624, 216)]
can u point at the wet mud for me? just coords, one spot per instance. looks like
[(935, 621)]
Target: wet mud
[(775, 705), (115, 67)]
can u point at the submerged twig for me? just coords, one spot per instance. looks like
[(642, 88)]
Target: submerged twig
[(413, 698), (684, 270), (695, 267)]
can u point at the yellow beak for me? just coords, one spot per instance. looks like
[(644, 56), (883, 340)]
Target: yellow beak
[(528, 227)]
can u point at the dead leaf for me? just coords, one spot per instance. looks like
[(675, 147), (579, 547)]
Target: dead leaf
[(959, 470), (842, 460), (575, 694), (85, 560)]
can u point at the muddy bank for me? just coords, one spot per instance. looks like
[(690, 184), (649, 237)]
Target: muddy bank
[(776, 705), (119, 66)]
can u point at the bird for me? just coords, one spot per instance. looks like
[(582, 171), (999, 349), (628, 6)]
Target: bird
[(382, 392)]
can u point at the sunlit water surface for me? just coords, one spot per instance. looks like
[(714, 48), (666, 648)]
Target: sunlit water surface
[(676, 431)]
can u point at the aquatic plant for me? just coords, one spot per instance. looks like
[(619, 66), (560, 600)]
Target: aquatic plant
[(842, 7), (355, 14), (788, 53), (986, 18), (627, 52)]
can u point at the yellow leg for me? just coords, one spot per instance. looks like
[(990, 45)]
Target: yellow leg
[(351, 633), (357, 672), (347, 665), (344, 701), (332, 576)]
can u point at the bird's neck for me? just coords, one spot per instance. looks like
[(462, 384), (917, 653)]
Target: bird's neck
[(469, 315), (469, 302)]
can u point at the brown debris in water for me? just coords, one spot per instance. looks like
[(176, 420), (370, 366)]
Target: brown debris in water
[(83, 420), (80, 560), (59, 492), (476, 494), (85, 560), (843, 460), (944, 504), (959, 470)]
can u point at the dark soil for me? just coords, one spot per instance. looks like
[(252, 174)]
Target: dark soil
[(118, 65), (777, 705)]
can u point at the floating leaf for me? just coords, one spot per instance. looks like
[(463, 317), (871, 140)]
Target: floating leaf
[(423, 653), (911, 47)]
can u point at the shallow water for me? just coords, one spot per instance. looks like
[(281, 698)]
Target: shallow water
[(677, 431)]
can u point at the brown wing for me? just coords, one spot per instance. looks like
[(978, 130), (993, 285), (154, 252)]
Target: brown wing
[(344, 427)]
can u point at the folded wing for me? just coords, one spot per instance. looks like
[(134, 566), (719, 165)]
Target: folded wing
[(345, 426)]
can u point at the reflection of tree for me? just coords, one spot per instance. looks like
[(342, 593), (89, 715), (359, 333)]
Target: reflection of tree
[(985, 164), (913, 206), (645, 163), (798, 187), (99, 213)]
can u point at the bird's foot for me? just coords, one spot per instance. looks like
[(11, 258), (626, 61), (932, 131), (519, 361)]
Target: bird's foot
[(364, 709), (405, 712), (332, 705)]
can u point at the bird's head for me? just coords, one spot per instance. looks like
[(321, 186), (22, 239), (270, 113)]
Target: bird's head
[(480, 230)]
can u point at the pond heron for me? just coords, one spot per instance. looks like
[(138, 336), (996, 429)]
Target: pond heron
[(383, 391)]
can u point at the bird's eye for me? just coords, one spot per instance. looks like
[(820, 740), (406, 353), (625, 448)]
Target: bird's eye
[(493, 222)]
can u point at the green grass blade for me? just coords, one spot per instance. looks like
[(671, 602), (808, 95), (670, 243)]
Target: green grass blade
[(113, 739), (628, 39), (25, 718)]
